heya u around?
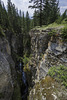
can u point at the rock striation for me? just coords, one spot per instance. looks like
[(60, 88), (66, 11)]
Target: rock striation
[(48, 50)]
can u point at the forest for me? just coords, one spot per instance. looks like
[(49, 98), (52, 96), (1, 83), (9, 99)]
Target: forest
[(33, 51), (14, 20)]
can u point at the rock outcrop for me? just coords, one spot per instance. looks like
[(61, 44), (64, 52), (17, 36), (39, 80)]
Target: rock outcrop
[(39, 41), (48, 89), (9, 87), (6, 64), (55, 55), (47, 50)]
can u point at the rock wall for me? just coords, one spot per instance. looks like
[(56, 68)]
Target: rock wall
[(55, 55), (9, 45), (39, 41), (6, 64), (47, 50)]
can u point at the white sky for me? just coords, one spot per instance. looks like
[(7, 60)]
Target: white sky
[(23, 5)]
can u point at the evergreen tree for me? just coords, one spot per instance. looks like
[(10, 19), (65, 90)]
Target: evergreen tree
[(64, 15), (31, 23), (38, 4), (4, 22), (54, 12), (14, 18), (23, 24), (9, 12), (27, 22), (46, 12), (50, 11), (36, 18)]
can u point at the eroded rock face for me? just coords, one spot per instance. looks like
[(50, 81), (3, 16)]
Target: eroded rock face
[(52, 50), (6, 88), (55, 55), (39, 44), (6, 63), (39, 41)]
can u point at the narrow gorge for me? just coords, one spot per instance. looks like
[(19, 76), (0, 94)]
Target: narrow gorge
[(33, 50), (48, 50)]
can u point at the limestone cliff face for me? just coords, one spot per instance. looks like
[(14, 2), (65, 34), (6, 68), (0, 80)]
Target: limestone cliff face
[(47, 50), (55, 55), (9, 88), (6, 63), (39, 41)]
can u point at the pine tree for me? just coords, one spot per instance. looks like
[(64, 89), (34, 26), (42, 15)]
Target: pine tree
[(9, 11), (4, 22), (38, 4), (46, 12), (31, 23), (50, 11), (23, 24), (27, 22), (64, 15), (14, 18), (36, 18), (54, 10)]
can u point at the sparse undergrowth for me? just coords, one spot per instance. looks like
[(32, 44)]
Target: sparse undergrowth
[(59, 73), (1, 32), (48, 89), (1, 95), (53, 25), (53, 32), (16, 93), (64, 33)]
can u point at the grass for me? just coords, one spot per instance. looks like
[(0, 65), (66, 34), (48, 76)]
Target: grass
[(53, 25), (59, 73)]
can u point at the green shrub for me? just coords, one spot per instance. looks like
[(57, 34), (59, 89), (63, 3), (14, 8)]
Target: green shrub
[(64, 33), (53, 32), (59, 73), (59, 20), (1, 32), (64, 21), (25, 60)]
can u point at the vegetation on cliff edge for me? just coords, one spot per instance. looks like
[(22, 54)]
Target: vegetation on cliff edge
[(59, 73)]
